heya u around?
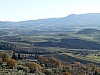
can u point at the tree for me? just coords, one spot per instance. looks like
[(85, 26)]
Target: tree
[(58, 63), (67, 67), (14, 56), (33, 66), (42, 59), (51, 60), (93, 67), (54, 62), (4, 57), (77, 64), (11, 63), (19, 57), (36, 56)]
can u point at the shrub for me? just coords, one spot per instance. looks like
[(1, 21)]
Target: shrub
[(4, 57), (67, 73), (33, 66), (11, 63)]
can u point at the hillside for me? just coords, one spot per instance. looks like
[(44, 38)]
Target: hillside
[(70, 43), (88, 31), (69, 23)]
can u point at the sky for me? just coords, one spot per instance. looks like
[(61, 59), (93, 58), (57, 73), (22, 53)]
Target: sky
[(21, 10)]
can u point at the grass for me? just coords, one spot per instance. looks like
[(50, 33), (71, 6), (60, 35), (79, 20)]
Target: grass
[(90, 37), (20, 43), (11, 72), (92, 58), (88, 57), (40, 38)]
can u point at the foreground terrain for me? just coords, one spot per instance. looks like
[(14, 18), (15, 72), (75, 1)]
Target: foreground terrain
[(73, 53)]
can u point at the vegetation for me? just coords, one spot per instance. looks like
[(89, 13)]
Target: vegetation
[(50, 53), (45, 66)]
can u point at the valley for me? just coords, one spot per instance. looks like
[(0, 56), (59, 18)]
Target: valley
[(51, 46)]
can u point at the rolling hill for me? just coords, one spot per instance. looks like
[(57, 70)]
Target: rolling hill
[(88, 31)]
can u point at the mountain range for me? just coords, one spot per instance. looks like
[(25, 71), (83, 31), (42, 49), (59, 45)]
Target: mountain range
[(69, 23)]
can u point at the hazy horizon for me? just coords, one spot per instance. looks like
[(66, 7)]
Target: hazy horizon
[(22, 10), (47, 18)]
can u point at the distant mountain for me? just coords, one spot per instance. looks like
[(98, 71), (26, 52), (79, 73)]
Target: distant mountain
[(88, 31), (69, 23)]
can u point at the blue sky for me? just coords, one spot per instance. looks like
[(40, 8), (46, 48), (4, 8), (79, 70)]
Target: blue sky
[(20, 10)]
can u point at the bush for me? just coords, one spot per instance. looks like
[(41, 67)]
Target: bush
[(33, 66), (11, 63), (67, 73), (4, 57)]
